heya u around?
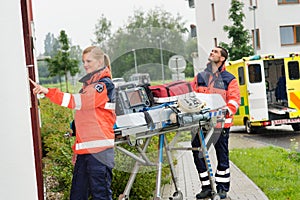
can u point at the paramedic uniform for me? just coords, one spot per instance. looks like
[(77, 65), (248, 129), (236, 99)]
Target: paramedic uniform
[(94, 143), (224, 83)]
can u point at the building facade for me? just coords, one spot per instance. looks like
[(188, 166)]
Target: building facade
[(276, 22)]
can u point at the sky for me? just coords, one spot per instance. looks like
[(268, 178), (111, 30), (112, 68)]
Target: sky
[(78, 18)]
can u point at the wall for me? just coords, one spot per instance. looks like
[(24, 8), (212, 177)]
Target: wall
[(17, 169)]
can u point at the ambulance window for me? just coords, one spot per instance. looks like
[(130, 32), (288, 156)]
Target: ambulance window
[(241, 76), (254, 73), (293, 68)]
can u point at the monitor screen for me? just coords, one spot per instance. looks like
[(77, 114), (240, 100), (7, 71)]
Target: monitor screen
[(134, 97)]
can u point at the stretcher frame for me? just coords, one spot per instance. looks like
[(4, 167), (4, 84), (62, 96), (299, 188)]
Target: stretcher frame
[(209, 121)]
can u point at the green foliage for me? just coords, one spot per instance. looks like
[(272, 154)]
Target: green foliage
[(239, 47), (145, 182), (148, 60), (61, 63), (51, 45), (145, 33), (56, 148), (102, 30), (275, 170), (190, 47)]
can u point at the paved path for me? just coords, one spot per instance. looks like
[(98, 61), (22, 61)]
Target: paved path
[(242, 188)]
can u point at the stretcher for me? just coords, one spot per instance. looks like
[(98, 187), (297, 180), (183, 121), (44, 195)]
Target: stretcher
[(170, 116)]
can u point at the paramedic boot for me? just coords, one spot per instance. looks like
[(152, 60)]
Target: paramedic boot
[(205, 193), (222, 194)]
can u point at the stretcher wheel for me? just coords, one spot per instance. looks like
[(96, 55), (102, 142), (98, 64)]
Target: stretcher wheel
[(216, 197), (177, 196)]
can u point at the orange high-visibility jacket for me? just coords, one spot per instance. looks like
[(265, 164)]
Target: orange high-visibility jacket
[(222, 82), (95, 114)]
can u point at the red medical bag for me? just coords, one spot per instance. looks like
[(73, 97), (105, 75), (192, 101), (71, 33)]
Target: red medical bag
[(171, 89)]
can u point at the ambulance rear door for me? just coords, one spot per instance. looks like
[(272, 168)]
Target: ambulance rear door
[(292, 69), (256, 89)]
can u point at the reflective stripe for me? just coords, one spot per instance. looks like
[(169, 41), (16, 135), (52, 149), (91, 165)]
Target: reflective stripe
[(66, 99), (228, 120), (230, 111), (110, 106), (223, 172), (205, 182), (77, 100), (236, 105), (222, 180), (94, 144), (203, 174)]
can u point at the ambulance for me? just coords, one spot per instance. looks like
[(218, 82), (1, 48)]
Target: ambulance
[(270, 91)]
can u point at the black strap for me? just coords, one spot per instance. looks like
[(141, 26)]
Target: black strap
[(149, 120)]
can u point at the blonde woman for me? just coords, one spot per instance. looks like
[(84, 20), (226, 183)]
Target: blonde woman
[(94, 120)]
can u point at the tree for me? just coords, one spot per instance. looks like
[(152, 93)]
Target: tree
[(143, 35), (190, 47), (102, 30), (240, 45), (61, 63), (51, 45)]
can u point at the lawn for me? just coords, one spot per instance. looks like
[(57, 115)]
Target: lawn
[(273, 169)]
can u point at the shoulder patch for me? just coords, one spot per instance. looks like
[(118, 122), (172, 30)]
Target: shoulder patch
[(99, 87)]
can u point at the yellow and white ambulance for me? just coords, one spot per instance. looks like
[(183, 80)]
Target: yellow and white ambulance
[(270, 91)]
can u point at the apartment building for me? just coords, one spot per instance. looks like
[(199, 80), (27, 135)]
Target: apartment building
[(276, 22)]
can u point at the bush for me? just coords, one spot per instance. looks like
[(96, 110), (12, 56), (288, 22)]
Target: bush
[(57, 150)]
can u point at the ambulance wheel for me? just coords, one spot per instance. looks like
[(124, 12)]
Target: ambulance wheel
[(249, 128), (296, 127)]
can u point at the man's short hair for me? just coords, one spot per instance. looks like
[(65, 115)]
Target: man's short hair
[(224, 52)]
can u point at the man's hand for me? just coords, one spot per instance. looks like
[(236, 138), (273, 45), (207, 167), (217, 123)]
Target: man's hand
[(38, 89)]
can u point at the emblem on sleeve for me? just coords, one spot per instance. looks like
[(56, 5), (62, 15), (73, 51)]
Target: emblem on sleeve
[(99, 87)]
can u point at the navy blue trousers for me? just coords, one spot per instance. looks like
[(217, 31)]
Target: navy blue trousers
[(91, 177), (222, 154)]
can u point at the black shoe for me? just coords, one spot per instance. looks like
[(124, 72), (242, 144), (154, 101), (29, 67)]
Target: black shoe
[(204, 194), (222, 194)]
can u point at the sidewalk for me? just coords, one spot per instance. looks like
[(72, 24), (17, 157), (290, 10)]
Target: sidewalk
[(188, 181)]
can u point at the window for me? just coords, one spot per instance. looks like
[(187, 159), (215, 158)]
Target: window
[(257, 39), (213, 11), (288, 1), (241, 75), (290, 34), (193, 30), (293, 69), (254, 72)]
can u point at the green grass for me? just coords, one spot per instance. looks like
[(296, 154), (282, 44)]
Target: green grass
[(275, 170)]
